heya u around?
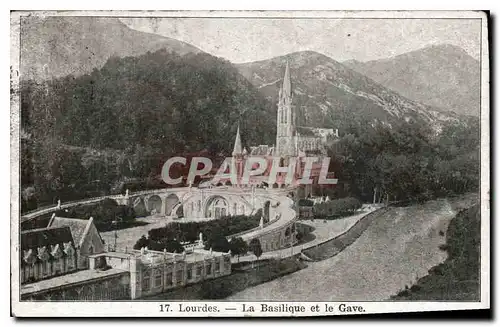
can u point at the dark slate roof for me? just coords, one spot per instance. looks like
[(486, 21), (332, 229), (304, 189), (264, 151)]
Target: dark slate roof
[(305, 131), (77, 226), (34, 238)]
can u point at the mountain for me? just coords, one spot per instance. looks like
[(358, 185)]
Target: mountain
[(53, 47), (329, 94), (443, 76)]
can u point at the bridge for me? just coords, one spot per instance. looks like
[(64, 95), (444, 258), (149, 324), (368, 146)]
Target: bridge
[(277, 205)]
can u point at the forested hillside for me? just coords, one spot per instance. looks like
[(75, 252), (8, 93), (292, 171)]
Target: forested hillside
[(408, 162), (124, 119)]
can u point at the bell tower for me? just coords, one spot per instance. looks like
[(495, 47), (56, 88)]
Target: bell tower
[(285, 134)]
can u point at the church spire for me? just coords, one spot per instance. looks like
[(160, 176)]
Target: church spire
[(287, 86), (237, 143)]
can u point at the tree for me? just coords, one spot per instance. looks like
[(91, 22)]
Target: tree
[(255, 247), (238, 247), (141, 243), (217, 242), (172, 246)]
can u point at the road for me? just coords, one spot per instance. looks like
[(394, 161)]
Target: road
[(323, 231)]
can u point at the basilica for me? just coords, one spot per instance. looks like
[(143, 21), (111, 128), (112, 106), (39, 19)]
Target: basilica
[(293, 140)]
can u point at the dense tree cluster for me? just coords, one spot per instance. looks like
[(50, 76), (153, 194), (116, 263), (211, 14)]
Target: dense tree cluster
[(107, 214), (409, 161), (305, 203), (336, 208), (171, 246), (190, 231), (215, 233)]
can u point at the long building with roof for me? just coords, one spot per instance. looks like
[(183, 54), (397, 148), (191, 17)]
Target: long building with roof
[(63, 247)]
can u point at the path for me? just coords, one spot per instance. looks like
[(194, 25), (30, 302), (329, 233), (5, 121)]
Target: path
[(323, 231)]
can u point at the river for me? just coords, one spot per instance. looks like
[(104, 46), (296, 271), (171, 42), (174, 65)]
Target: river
[(397, 248)]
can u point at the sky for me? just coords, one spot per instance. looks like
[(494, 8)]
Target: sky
[(245, 40)]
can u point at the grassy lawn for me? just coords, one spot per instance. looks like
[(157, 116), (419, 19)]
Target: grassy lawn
[(457, 278)]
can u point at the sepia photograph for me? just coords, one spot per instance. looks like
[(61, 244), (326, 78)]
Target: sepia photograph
[(249, 163)]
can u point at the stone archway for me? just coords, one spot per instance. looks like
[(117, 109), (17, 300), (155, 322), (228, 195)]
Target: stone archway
[(170, 202), (217, 207), (154, 204)]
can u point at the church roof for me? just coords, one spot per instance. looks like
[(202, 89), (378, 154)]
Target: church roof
[(35, 238), (237, 143), (315, 131), (77, 226), (305, 131), (261, 150)]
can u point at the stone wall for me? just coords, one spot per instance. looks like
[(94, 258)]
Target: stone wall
[(241, 278), (154, 279), (114, 287), (334, 246)]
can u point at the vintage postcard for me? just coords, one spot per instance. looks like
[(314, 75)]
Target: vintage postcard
[(260, 164)]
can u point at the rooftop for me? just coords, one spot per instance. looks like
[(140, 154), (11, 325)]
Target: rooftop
[(77, 226), (40, 237), (196, 255)]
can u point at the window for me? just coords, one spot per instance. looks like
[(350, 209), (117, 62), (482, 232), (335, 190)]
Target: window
[(69, 262), (31, 271), (146, 280), (158, 276), (178, 276), (157, 280), (198, 271), (217, 266), (57, 266), (45, 267), (209, 269), (169, 279), (190, 273), (146, 283)]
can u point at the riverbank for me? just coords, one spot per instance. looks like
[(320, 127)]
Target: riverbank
[(396, 249), (458, 277)]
